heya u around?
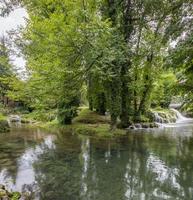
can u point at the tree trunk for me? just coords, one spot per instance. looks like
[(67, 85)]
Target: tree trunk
[(101, 103), (89, 94), (127, 30), (124, 116), (147, 88), (144, 101)]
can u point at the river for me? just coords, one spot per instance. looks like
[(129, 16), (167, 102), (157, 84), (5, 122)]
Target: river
[(154, 164)]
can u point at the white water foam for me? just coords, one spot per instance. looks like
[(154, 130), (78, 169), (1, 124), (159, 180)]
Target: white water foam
[(181, 121)]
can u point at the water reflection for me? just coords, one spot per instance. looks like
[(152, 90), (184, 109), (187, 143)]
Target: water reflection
[(157, 164), (18, 154), (85, 156)]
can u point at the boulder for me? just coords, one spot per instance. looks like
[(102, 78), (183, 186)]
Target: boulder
[(25, 121)]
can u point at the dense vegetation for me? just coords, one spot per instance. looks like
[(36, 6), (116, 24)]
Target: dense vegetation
[(121, 57)]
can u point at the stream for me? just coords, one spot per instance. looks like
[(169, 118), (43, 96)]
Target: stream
[(151, 164)]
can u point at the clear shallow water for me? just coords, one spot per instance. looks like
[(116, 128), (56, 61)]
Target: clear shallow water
[(153, 164)]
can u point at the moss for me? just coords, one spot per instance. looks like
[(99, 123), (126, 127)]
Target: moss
[(99, 130)]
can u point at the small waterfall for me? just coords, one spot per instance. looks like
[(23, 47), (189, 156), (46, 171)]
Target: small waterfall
[(180, 120), (158, 118), (180, 117)]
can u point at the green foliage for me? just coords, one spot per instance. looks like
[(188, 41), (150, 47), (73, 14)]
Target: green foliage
[(164, 90), (15, 196), (41, 115), (68, 110), (116, 52), (6, 71), (181, 57)]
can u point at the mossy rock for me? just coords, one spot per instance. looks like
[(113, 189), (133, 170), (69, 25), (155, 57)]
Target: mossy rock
[(25, 121), (3, 193), (4, 126)]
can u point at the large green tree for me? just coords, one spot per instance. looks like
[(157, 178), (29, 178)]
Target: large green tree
[(115, 48)]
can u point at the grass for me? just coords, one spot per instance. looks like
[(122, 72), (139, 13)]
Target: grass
[(2, 117), (99, 130), (86, 123), (86, 116)]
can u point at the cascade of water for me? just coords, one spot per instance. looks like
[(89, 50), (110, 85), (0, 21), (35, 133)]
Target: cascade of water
[(180, 117), (158, 118)]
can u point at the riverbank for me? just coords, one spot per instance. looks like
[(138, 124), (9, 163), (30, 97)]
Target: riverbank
[(86, 123), (90, 123), (4, 126)]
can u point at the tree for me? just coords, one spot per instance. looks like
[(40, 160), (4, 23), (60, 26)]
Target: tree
[(115, 48), (6, 70)]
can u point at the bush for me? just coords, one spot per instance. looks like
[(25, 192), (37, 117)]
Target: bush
[(42, 115)]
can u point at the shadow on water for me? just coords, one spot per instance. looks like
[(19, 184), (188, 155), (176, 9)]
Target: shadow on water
[(145, 164)]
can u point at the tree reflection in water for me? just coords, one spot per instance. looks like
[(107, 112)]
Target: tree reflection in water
[(139, 166)]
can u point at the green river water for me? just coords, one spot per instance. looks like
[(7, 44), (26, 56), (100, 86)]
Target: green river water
[(152, 164)]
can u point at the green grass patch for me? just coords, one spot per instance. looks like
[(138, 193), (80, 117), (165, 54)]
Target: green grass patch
[(86, 123), (96, 130), (159, 109), (99, 130), (2, 117), (86, 116)]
